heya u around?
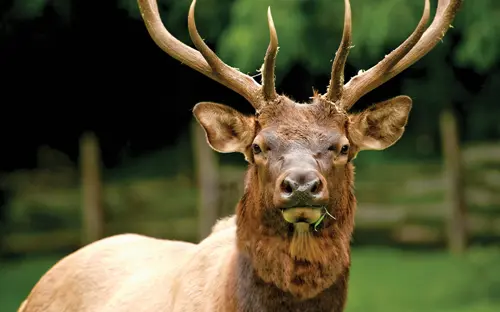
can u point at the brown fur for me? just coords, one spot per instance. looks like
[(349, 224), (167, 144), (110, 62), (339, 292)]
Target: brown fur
[(253, 294), (303, 245)]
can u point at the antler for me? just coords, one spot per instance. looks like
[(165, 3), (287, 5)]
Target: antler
[(418, 44), (336, 87), (207, 62), (270, 60)]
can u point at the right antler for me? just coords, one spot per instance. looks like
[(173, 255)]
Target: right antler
[(207, 62), (418, 44)]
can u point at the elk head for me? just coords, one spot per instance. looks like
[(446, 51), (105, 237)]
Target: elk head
[(299, 154)]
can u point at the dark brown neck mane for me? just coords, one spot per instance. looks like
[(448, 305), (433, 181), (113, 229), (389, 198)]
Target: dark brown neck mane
[(251, 293), (267, 278)]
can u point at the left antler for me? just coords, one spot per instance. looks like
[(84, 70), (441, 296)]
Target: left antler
[(207, 62), (418, 44)]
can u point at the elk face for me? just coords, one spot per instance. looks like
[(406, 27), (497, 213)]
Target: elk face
[(300, 154)]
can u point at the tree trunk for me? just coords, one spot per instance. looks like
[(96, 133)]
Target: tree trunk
[(93, 214), (454, 178), (207, 179)]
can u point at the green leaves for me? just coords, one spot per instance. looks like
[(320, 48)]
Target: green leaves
[(310, 31), (479, 24), (380, 26), (244, 42)]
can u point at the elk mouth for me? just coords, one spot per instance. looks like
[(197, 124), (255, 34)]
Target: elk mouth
[(303, 221), (303, 214)]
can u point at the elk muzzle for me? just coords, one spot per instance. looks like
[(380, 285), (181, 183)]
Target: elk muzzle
[(301, 194)]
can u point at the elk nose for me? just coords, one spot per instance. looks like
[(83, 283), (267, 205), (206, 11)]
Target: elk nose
[(302, 188)]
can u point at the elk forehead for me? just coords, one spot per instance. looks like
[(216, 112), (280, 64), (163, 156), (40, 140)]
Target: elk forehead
[(298, 135), (302, 138), (293, 120)]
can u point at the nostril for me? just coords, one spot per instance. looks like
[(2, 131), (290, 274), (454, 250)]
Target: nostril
[(286, 187), (315, 186)]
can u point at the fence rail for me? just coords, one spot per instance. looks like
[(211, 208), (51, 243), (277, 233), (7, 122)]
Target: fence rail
[(405, 200)]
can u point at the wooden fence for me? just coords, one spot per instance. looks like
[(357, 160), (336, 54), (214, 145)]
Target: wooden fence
[(401, 202)]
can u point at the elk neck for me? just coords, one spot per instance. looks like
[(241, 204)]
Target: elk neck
[(246, 291), (268, 277)]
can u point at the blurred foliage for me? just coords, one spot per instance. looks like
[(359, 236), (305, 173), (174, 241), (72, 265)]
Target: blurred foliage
[(304, 26), (174, 15), (479, 23), (29, 9), (239, 28), (484, 121), (248, 33), (310, 31), (309, 34)]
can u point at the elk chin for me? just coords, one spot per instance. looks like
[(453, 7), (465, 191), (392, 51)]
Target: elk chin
[(303, 246)]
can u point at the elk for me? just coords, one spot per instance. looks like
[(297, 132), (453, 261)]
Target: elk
[(287, 248)]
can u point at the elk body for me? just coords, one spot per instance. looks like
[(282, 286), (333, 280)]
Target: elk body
[(288, 246)]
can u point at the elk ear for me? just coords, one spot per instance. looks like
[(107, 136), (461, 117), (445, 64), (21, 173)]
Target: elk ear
[(381, 125), (226, 129)]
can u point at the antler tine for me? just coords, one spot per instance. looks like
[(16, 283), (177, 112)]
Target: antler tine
[(205, 62), (268, 86), (336, 86), (413, 49), (445, 14), (372, 78)]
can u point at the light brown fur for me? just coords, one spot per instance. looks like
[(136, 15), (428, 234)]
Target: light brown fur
[(224, 223), (104, 276)]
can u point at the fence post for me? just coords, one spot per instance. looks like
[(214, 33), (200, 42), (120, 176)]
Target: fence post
[(207, 179), (454, 179), (92, 210)]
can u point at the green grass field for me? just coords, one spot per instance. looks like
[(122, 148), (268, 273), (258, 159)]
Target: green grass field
[(382, 280)]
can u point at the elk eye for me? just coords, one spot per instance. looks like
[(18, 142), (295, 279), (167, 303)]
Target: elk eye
[(256, 149), (344, 149)]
